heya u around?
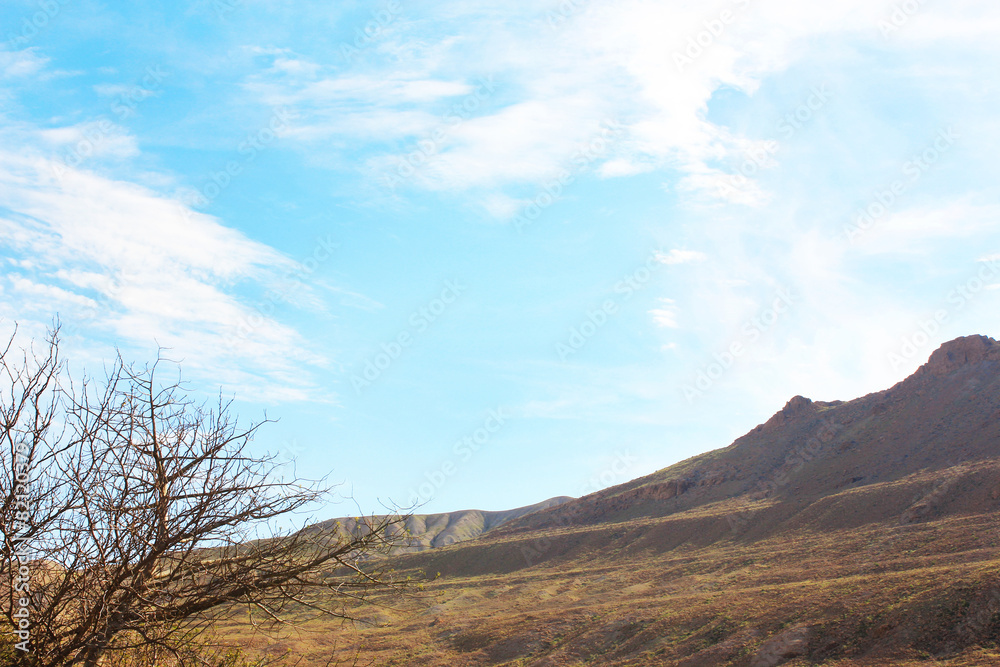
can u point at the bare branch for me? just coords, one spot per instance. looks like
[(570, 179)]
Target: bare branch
[(151, 519)]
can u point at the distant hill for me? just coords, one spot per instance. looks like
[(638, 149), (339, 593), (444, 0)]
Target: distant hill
[(427, 531)]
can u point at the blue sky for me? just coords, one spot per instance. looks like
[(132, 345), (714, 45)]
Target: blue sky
[(481, 254)]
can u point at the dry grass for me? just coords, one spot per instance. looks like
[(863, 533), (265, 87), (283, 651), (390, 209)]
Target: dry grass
[(882, 594)]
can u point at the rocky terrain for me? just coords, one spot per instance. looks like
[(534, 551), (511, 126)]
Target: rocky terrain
[(848, 533)]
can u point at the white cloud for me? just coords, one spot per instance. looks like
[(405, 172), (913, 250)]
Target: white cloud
[(503, 207), (119, 261), (295, 67), (100, 138), (356, 106), (666, 315), (112, 89), (398, 89), (920, 229), (15, 64), (523, 143), (42, 297), (677, 256), (619, 167), (608, 61)]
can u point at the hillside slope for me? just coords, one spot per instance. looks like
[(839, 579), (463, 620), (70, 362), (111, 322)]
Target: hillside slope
[(428, 531), (946, 413)]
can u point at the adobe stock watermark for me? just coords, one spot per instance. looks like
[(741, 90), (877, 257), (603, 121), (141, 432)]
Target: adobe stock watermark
[(552, 190), (596, 318), (912, 170), (567, 8), (957, 298), (225, 7), (371, 31), (426, 148), (899, 16), (294, 281), (614, 473), (125, 104), (750, 333), (20, 553), (248, 149), (461, 452), (611, 475), (756, 159), (704, 39), (761, 156), (419, 321), (796, 119), (31, 25)]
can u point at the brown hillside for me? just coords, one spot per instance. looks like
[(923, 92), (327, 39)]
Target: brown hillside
[(844, 534), (946, 413)]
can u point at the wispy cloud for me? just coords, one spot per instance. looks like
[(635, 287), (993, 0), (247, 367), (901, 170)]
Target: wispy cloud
[(556, 85), (919, 229), (119, 261), (666, 314), (16, 64), (677, 256)]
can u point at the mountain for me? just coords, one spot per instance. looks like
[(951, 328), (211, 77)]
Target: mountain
[(946, 413), (845, 534), (427, 531)]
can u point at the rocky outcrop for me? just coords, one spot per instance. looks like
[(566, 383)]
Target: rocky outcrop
[(784, 646), (796, 407), (961, 352)]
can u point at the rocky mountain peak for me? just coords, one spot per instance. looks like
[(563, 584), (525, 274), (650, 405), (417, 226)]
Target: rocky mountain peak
[(960, 352), (794, 407)]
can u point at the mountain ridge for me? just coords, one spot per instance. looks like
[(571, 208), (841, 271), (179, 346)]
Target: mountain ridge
[(780, 456), (427, 531)]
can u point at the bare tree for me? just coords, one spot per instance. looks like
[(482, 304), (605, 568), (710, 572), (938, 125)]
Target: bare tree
[(150, 520), (28, 409)]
